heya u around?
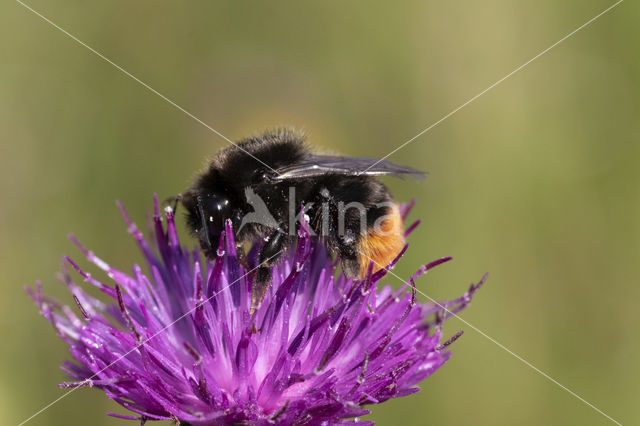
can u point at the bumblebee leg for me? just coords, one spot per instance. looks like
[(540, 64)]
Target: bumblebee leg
[(242, 256), (347, 248), (270, 254)]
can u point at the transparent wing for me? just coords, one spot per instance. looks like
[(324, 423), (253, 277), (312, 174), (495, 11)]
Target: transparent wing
[(317, 165)]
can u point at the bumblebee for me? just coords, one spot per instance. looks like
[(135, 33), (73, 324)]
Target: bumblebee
[(264, 183)]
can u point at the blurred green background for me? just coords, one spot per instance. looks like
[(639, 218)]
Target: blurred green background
[(535, 182)]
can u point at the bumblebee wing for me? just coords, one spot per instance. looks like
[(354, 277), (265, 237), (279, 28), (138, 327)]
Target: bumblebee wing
[(317, 165)]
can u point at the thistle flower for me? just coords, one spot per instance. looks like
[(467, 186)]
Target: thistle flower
[(178, 342)]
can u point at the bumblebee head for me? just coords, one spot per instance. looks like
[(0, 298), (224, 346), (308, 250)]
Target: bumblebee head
[(206, 214)]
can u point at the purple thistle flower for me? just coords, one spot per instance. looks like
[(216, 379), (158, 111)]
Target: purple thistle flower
[(179, 342)]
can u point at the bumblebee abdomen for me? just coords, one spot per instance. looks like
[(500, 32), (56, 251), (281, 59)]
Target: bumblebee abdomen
[(382, 242)]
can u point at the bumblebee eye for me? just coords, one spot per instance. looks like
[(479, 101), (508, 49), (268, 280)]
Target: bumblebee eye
[(217, 205), (209, 212)]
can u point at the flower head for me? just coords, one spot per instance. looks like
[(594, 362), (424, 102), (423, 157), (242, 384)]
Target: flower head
[(179, 341)]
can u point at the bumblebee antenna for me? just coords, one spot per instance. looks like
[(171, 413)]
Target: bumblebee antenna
[(205, 229), (176, 202), (176, 199)]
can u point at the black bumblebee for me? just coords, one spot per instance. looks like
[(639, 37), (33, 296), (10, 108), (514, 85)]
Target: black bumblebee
[(260, 185)]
